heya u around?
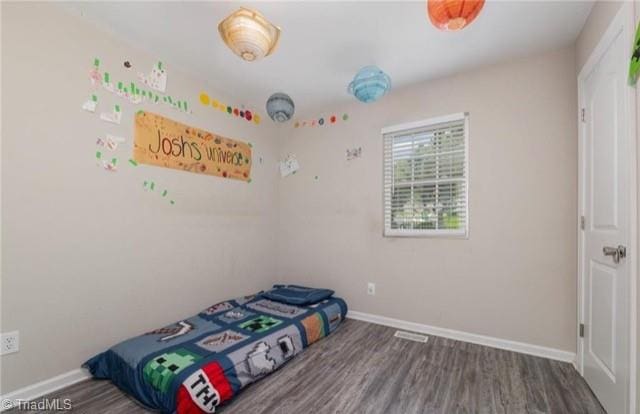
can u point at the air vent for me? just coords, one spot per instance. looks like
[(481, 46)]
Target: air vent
[(411, 336)]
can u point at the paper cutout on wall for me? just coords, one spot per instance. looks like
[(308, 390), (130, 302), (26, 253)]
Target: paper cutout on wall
[(289, 165), (110, 142), (131, 92), (94, 74), (90, 104), (110, 165), (321, 121), (150, 186), (241, 113), (114, 117), (157, 79), (166, 143), (634, 66), (354, 153)]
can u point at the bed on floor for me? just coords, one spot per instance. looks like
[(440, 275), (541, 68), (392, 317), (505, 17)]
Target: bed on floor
[(199, 363)]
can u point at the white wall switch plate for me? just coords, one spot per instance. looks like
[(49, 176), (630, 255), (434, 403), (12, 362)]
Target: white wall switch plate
[(9, 342), (371, 288)]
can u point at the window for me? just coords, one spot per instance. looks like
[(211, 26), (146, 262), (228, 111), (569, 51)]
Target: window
[(426, 178)]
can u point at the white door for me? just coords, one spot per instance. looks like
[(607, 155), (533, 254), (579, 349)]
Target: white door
[(606, 145)]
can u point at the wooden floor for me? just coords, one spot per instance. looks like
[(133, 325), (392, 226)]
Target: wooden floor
[(363, 368)]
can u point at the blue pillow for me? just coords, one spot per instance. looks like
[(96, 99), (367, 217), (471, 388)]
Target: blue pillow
[(297, 295)]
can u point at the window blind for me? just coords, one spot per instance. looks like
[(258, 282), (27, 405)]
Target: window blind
[(425, 178)]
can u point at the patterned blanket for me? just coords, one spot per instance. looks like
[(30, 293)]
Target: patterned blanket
[(196, 364)]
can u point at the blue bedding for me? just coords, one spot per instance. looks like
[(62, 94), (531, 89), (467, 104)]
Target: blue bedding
[(199, 363), (297, 295)]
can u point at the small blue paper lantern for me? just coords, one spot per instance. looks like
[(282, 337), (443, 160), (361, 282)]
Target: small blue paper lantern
[(280, 107), (370, 84)]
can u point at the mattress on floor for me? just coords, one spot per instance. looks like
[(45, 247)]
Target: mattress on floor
[(196, 364)]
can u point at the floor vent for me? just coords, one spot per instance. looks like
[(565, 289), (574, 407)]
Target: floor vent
[(411, 336)]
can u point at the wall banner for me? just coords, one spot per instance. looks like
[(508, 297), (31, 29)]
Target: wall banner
[(166, 143)]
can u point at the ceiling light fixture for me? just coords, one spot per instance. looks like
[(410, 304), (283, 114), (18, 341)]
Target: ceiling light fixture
[(453, 15), (369, 84), (280, 107), (249, 34)]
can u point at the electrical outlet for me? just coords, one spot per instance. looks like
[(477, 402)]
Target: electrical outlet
[(371, 289), (10, 343)]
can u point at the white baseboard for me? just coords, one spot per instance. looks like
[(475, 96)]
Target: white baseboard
[(536, 350), (45, 387), (37, 390)]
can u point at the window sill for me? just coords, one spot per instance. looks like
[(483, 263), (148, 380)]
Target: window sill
[(427, 234)]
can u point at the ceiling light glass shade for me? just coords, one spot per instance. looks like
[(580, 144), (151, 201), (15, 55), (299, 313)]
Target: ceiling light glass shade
[(280, 107), (453, 14), (249, 34), (370, 84)]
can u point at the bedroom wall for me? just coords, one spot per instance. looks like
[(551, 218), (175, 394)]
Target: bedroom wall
[(515, 277), (89, 257)]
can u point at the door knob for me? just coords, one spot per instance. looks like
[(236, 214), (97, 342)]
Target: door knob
[(617, 253)]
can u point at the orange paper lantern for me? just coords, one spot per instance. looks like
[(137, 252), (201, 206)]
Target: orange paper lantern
[(453, 14)]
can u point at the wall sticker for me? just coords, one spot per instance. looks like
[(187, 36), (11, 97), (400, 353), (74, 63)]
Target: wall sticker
[(634, 66), (321, 121), (240, 113), (157, 79), (154, 83), (114, 117), (289, 165), (90, 104), (353, 153)]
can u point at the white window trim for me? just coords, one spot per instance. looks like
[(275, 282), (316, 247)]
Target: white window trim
[(421, 233)]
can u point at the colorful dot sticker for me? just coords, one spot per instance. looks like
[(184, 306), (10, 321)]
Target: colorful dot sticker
[(321, 121), (239, 112)]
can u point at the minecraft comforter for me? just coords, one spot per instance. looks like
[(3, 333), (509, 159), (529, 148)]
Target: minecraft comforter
[(199, 363)]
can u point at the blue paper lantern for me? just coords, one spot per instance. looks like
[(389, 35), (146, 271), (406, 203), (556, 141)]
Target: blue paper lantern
[(370, 84), (280, 107)]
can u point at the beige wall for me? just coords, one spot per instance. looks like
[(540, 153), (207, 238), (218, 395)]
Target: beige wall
[(601, 15), (89, 257), (515, 277)]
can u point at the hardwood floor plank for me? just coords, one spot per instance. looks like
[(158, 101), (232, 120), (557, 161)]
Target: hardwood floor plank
[(363, 368)]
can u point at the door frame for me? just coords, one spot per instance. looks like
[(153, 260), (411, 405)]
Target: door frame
[(625, 18)]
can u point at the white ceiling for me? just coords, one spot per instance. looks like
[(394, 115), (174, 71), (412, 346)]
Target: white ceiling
[(323, 44)]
